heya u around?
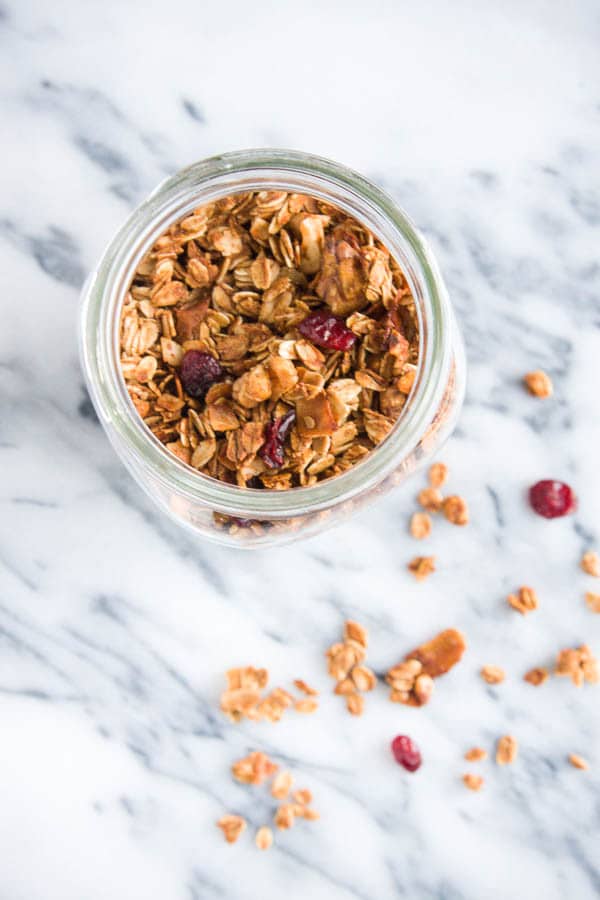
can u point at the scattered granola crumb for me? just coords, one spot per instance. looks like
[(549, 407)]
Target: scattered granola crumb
[(306, 706), (364, 678), (456, 510), (506, 750), (525, 601), (420, 525), (303, 796), (264, 838), (593, 601), (579, 664), (281, 785), (590, 563), (284, 816), (345, 664), (578, 761), (305, 688), (430, 499), (422, 566), (536, 676), (493, 674), (254, 768), (476, 754), (232, 827), (539, 384), (473, 782), (355, 704), (355, 632), (438, 473)]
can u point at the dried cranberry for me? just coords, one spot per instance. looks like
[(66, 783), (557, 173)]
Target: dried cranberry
[(276, 432), (327, 330), (241, 523), (198, 371), (406, 752), (552, 499)]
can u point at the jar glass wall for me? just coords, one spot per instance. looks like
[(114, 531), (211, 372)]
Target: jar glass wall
[(248, 517)]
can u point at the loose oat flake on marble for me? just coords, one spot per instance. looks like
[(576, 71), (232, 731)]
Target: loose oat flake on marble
[(269, 340)]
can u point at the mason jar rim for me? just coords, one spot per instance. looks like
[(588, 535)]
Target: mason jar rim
[(208, 180)]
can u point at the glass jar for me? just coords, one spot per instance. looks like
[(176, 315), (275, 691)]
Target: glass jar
[(246, 517)]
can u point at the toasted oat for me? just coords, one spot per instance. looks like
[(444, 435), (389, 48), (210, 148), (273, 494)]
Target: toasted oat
[(420, 525), (493, 674), (476, 754), (364, 678), (422, 566), (355, 632), (303, 796), (306, 706), (285, 815), (536, 676), (430, 499), (593, 601), (232, 827), (525, 601), (456, 510), (578, 761), (355, 704), (264, 838), (254, 768), (539, 384), (579, 664), (438, 474), (506, 750), (281, 785), (590, 563), (305, 688), (473, 782), (402, 679)]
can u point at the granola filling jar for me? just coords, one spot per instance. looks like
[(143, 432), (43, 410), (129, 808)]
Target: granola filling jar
[(249, 515)]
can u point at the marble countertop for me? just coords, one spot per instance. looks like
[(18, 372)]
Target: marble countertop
[(116, 629)]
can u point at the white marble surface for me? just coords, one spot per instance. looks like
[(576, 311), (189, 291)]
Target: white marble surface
[(483, 121)]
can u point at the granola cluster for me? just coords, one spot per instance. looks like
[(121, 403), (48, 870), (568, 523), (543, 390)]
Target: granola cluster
[(244, 697), (411, 681), (345, 663), (269, 340)]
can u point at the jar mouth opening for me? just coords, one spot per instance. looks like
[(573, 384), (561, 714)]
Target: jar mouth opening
[(209, 180)]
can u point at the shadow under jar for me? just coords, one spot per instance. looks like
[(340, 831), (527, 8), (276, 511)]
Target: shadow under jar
[(244, 516)]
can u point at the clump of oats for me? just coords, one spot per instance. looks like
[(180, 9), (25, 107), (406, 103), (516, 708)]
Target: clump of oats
[(539, 384), (254, 768), (244, 698), (473, 782), (525, 601), (411, 681), (493, 674), (238, 283), (590, 563), (421, 566), (345, 663), (536, 676), (506, 750), (456, 510), (578, 664), (430, 499)]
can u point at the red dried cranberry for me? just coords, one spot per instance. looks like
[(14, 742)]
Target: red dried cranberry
[(552, 499), (406, 752), (241, 523), (198, 371), (276, 432), (327, 330)]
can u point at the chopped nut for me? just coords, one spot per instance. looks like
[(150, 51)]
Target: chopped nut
[(305, 688), (430, 499), (355, 704), (264, 838), (232, 827), (420, 526), (493, 674), (590, 563), (422, 566), (536, 676), (579, 664), (306, 706), (578, 761), (438, 474), (455, 510), (475, 754), (525, 601), (473, 782), (282, 784), (506, 750), (593, 601), (538, 383)]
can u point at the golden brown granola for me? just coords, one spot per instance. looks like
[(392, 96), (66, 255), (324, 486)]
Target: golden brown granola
[(456, 510), (525, 601), (305, 688), (506, 750), (281, 785), (438, 474), (264, 838), (254, 768), (578, 761), (476, 754), (590, 563), (536, 676), (232, 827), (430, 499), (235, 279), (539, 384), (303, 796), (409, 684), (421, 566), (420, 525), (593, 601), (441, 653), (493, 674), (244, 698), (345, 664), (473, 782), (411, 681), (578, 664)]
